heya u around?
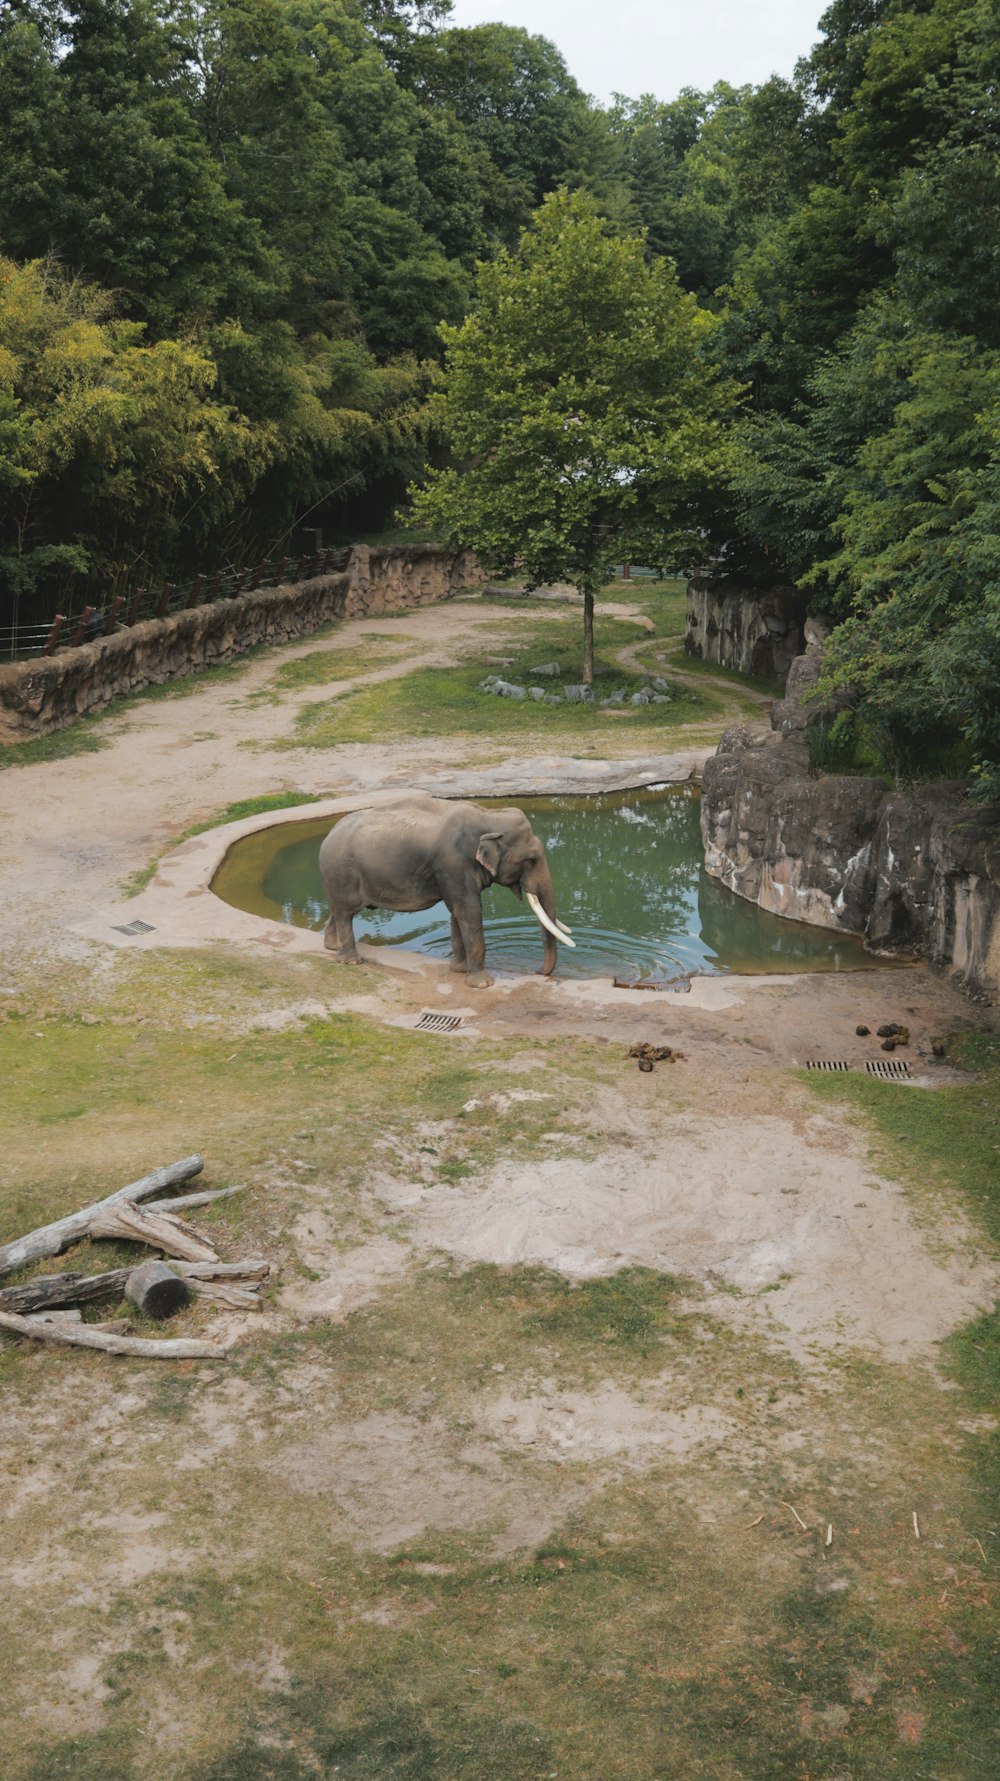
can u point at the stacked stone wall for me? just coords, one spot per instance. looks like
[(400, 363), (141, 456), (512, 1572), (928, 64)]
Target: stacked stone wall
[(46, 693)]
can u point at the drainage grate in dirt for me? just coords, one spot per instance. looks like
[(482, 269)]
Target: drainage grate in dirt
[(136, 927), (893, 1067), (433, 1022), (826, 1063)]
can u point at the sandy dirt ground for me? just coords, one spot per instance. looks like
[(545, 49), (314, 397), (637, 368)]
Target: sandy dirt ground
[(746, 1195), (719, 1170)]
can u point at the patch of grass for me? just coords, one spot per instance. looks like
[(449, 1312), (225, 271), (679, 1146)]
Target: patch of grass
[(450, 701), (60, 745), (773, 687), (943, 1136)]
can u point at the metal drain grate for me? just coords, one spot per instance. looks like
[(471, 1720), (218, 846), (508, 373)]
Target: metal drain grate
[(893, 1067), (432, 1022), (136, 927), (826, 1063)]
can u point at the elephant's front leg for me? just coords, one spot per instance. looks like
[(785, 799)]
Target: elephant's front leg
[(469, 942), (338, 938)]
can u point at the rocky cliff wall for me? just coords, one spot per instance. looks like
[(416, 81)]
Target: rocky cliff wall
[(916, 871), (50, 691), (743, 628)]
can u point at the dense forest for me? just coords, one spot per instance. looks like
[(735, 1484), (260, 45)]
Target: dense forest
[(230, 231)]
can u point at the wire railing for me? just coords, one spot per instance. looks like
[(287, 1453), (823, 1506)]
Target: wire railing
[(66, 630)]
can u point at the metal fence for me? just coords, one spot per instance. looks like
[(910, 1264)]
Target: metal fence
[(66, 630)]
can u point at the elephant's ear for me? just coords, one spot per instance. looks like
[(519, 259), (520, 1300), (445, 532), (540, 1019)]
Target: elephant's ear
[(488, 853)]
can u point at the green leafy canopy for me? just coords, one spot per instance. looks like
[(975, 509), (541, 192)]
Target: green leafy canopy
[(585, 419)]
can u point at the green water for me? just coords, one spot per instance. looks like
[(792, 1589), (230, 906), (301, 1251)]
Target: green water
[(629, 880)]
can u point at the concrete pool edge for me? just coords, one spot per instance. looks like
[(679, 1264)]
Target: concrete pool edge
[(179, 909)]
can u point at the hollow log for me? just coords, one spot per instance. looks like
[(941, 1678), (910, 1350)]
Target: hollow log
[(156, 1291), (85, 1336), (52, 1239), (159, 1229)]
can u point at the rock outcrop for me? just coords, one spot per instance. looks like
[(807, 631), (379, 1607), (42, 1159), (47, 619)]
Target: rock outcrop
[(755, 632), (916, 871), (43, 694)]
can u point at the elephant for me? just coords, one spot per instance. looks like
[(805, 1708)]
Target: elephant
[(420, 851)]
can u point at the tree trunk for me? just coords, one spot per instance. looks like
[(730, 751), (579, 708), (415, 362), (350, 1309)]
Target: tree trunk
[(588, 638), (52, 1239)]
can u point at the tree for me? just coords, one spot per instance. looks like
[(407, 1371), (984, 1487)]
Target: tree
[(580, 405)]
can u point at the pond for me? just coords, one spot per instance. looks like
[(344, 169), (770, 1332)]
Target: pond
[(629, 880)]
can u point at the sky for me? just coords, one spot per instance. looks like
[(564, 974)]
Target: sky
[(660, 46)]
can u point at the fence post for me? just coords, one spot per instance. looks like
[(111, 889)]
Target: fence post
[(81, 629), (161, 610), (297, 572), (279, 570), (134, 605), (113, 615), (256, 575), (53, 636), (238, 583), (195, 590), (213, 586)]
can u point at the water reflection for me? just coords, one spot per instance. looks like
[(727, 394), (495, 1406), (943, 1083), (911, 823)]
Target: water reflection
[(629, 881)]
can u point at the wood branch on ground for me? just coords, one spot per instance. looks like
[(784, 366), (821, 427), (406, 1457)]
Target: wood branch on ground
[(256, 1268), (67, 1314), (186, 1201), (156, 1291), (226, 1292), (84, 1336), (52, 1239), (160, 1230)]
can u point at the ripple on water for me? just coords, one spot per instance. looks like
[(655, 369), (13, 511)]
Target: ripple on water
[(630, 882)]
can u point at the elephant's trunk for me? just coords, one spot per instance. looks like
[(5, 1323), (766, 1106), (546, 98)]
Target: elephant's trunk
[(541, 898)]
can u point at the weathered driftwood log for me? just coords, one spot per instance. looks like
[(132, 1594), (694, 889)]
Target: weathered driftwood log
[(76, 1289), (226, 1292), (185, 1202), (254, 1269), (66, 1315), (156, 1291), (159, 1229), (83, 1335), (62, 1289), (52, 1239)]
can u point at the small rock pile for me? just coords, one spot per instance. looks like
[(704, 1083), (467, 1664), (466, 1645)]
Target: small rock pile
[(655, 692)]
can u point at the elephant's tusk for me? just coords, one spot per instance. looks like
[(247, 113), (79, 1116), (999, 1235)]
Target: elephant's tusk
[(545, 921), (562, 925)]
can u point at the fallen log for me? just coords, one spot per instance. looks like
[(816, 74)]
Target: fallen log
[(52, 1239), (156, 1291), (160, 1230), (254, 1269), (186, 1201), (226, 1292), (85, 1336), (76, 1289), (62, 1289)]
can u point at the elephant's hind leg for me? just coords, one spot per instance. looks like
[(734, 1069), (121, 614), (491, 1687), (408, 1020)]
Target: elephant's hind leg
[(338, 938), (458, 960)]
